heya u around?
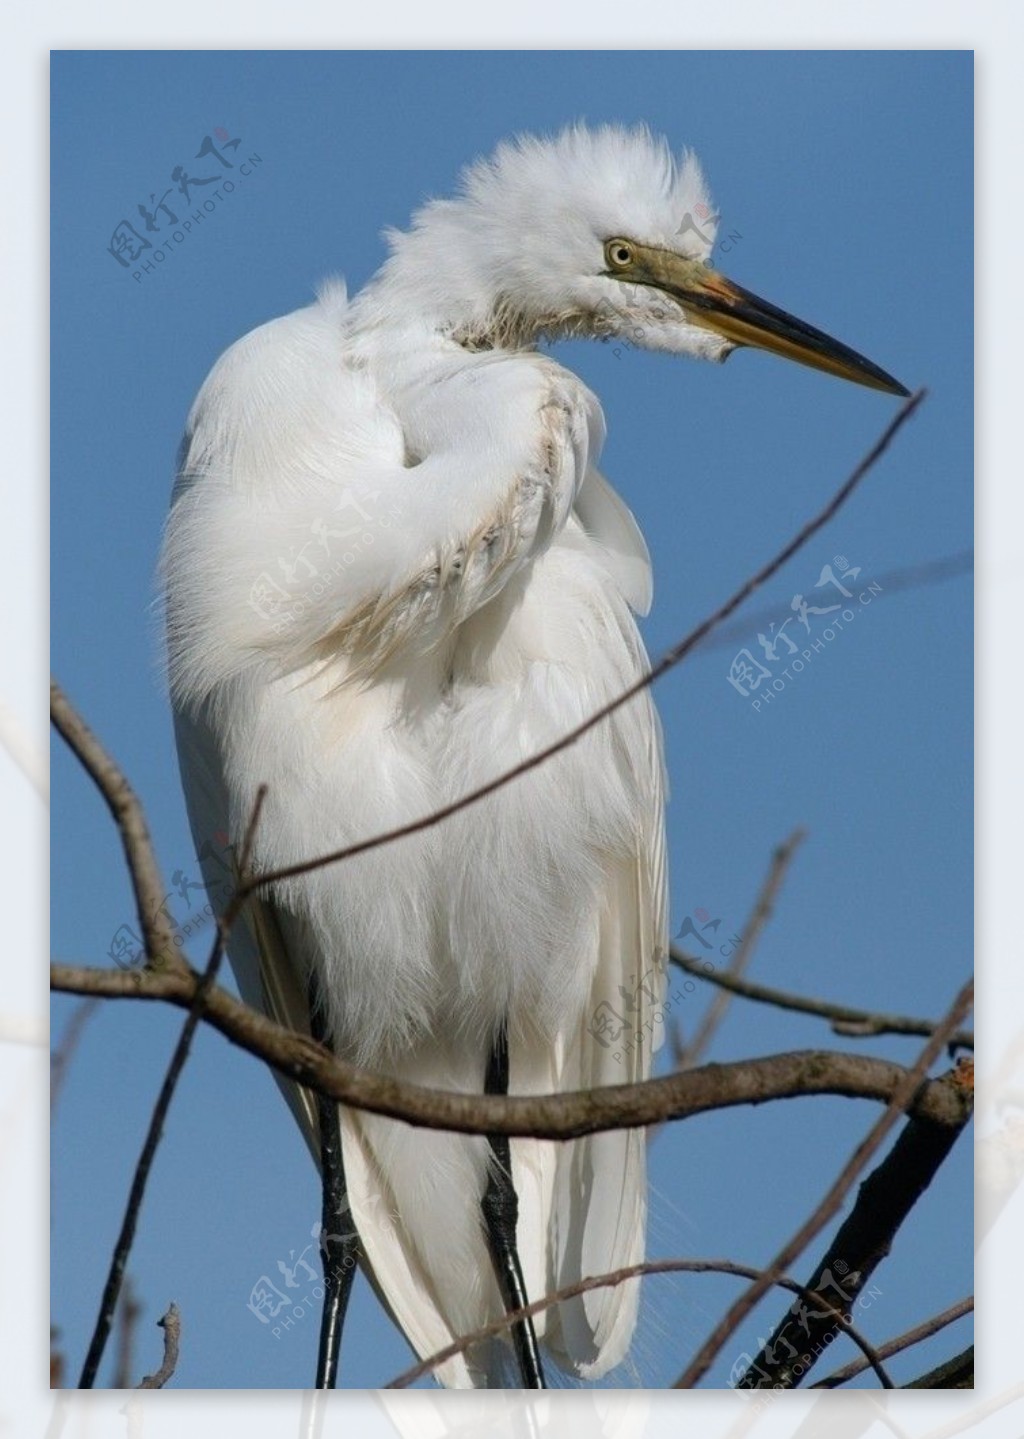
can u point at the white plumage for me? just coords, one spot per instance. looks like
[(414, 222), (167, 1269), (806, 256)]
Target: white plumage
[(393, 571)]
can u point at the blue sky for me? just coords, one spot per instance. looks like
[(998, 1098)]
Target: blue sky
[(845, 187)]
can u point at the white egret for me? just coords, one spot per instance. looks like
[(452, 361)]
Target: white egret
[(393, 570)]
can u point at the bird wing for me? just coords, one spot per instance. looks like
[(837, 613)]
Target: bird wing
[(600, 1202), (583, 1204), (267, 979), (333, 550)]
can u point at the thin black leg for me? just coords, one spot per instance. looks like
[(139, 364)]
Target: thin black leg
[(339, 1243), (501, 1213)]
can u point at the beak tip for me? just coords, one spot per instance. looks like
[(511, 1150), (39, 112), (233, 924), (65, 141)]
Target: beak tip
[(895, 388)]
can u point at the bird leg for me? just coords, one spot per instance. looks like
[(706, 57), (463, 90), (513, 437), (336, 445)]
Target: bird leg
[(501, 1212), (339, 1242)]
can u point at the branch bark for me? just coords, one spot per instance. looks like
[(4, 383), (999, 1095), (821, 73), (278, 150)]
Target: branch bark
[(171, 1325), (847, 1021), (122, 801), (556, 1116)]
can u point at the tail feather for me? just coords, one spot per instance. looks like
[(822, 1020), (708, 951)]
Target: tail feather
[(416, 1199)]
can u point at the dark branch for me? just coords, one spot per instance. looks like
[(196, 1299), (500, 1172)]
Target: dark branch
[(901, 1097), (201, 988), (885, 1200), (955, 1373)]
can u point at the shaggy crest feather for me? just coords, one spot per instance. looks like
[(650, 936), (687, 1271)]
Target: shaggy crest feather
[(516, 254)]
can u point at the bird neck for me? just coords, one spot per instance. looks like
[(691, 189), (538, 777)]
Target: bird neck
[(434, 281)]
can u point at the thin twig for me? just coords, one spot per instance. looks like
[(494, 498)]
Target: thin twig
[(671, 658), (903, 1341), (610, 1281), (751, 933), (845, 1020), (171, 1325), (61, 1056), (126, 1235), (907, 577), (146, 879), (832, 1201), (567, 1115)]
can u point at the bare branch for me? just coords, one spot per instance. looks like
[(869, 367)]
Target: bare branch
[(201, 988), (830, 1204), (171, 1325), (671, 658), (849, 1022), (762, 911), (557, 1116), (61, 1056), (146, 879), (903, 1341), (609, 1281), (864, 1239)]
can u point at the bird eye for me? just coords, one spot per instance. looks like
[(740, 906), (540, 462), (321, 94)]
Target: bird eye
[(619, 254)]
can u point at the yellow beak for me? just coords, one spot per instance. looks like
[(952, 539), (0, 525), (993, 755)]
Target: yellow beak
[(714, 302)]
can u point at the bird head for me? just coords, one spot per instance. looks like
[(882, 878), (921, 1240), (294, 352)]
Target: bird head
[(595, 232)]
